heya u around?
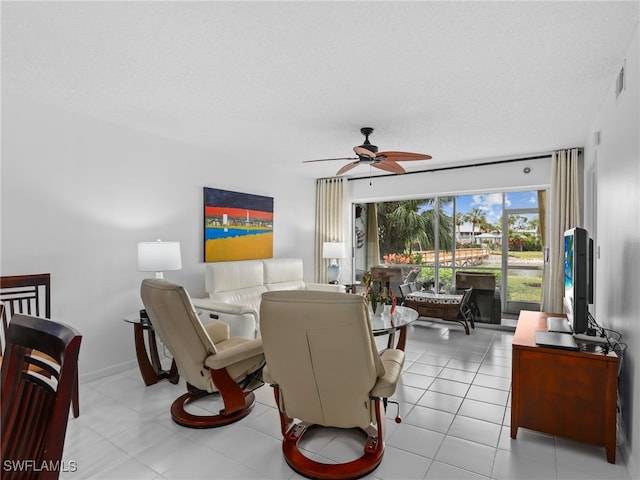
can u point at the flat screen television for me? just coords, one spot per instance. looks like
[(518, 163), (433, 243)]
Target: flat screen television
[(578, 278)]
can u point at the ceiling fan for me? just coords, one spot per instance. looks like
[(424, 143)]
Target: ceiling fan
[(367, 154)]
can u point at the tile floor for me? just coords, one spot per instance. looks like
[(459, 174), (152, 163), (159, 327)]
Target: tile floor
[(454, 401)]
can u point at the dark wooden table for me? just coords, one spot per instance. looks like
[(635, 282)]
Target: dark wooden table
[(571, 394)]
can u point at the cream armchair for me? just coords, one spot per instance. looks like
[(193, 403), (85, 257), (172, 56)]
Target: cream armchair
[(325, 369), (206, 357)]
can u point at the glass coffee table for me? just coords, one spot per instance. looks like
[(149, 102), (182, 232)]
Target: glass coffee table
[(389, 323)]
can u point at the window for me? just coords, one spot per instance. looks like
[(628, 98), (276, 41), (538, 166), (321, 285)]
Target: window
[(500, 234)]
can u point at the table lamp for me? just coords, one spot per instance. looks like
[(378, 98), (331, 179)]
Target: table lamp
[(158, 257), (333, 250)]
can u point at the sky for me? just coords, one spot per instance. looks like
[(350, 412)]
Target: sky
[(491, 204)]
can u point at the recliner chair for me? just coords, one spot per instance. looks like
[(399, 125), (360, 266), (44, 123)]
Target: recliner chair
[(206, 357), (325, 369)]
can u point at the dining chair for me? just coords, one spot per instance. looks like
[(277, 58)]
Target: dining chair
[(38, 378)]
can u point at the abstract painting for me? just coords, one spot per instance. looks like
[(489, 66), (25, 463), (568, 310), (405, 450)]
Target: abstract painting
[(237, 226)]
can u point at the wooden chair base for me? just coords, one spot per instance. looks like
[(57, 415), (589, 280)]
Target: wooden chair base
[(186, 419), (367, 463), (292, 433)]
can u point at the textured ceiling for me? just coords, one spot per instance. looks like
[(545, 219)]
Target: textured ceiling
[(282, 82)]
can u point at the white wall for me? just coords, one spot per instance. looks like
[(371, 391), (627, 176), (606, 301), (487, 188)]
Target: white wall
[(77, 196), (614, 220)]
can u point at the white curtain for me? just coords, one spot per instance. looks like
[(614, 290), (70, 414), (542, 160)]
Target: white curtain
[(373, 243), (564, 213), (331, 208)]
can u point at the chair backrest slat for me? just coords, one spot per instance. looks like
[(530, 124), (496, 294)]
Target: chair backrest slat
[(26, 294), (35, 402)]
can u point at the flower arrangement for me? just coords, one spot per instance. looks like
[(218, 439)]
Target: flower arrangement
[(375, 292)]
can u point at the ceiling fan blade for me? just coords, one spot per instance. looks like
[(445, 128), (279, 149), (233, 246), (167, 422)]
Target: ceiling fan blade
[(389, 166), (404, 156), (364, 152), (348, 167), (329, 159)]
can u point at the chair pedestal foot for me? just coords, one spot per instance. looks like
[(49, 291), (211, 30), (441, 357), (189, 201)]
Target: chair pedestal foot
[(186, 419), (368, 462), (365, 464)]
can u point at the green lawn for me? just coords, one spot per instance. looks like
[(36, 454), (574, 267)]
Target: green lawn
[(527, 289), (526, 255)]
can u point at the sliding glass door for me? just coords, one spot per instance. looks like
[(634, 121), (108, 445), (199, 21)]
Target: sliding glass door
[(498, 236), (523, 261)]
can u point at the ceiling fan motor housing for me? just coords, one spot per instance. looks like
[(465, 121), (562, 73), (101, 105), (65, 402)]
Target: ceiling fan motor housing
[(366, 131)]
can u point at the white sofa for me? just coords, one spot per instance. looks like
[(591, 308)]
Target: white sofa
[(235, 290)]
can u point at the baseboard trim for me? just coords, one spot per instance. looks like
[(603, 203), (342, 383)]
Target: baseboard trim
[(105, 372)]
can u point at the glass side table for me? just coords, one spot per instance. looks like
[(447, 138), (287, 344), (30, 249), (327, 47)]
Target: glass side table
[(388, 324), (147, 352)]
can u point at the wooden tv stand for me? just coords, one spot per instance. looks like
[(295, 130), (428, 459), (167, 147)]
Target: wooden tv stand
[(571, 394)]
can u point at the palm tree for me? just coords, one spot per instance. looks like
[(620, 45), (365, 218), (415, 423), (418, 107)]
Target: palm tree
[(459, 222), (410, 225), (475, 216), (534, 224)]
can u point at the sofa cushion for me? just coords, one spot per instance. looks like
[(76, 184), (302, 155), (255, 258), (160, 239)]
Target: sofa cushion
[(230, 276), (248, 297), (283, 274)]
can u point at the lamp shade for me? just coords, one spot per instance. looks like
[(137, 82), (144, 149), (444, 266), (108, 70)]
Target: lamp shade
[(333, 250), (159, 256)]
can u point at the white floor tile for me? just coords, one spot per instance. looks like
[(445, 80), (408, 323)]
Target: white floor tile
[(92, 458), (442, 471), (511, 466), (416, 440), (402, 465), (529, 443), (450, 387), (429, 418), (439, 360), (466, 455), (478, 431), (416, 380), (425, 369), (489, 395), (130, 468), (495, 370), (140, 436), (589, 460), (481, 410), (407, 394), (463, 364), (163, 455), (454, 399), (490, 381), (440, 401), (457, 375)]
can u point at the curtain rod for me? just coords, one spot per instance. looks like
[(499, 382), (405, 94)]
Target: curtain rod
[(454, 167)]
